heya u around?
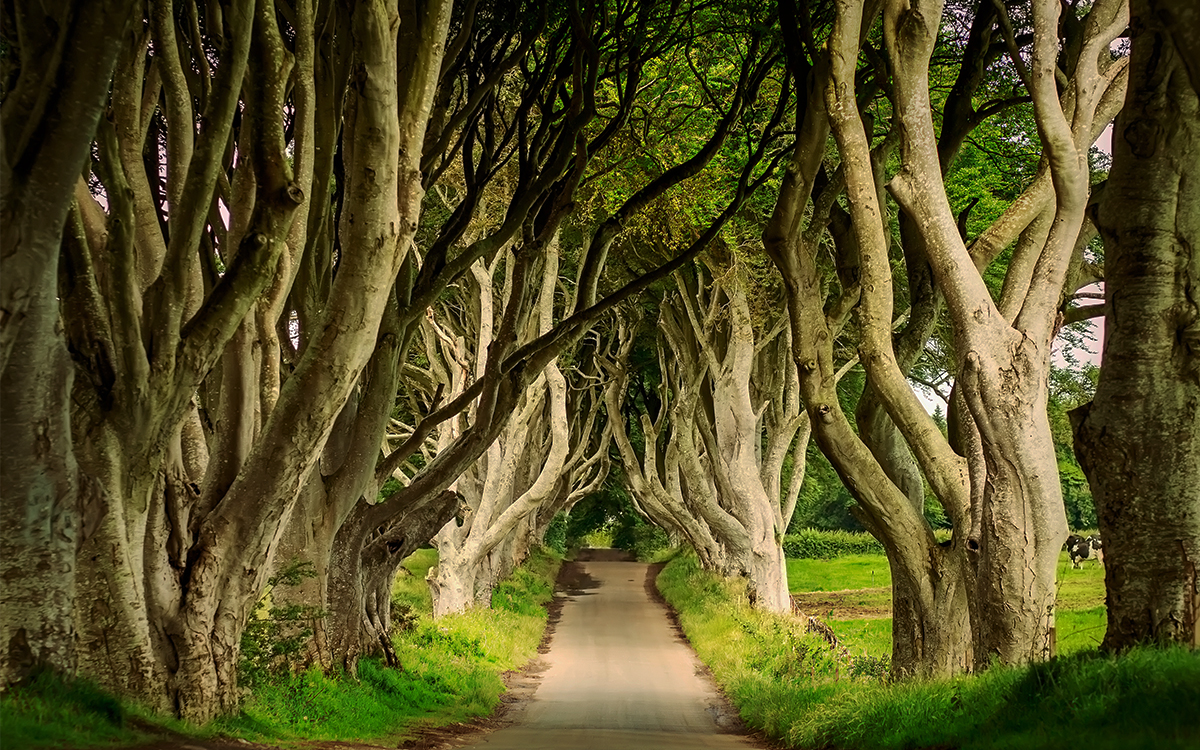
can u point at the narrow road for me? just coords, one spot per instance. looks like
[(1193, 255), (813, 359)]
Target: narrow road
[(618, 678)]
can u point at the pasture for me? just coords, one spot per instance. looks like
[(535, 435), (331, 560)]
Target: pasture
[(853, 594)]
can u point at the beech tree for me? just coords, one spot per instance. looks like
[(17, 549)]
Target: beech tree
[(1139, 439), (712, 459), (990, 592), (162, 286), (498, 494), (55, 65)]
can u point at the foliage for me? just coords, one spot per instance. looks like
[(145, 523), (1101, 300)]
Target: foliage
[(1070, 387), (608, 517), (824, 502), (531, 586), (556, 534), (603, 509), (1146, 698), (642, 538), (275, 636), (820, 544), (743, 647)]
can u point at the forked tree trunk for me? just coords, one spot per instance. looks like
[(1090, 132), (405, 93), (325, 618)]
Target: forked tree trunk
[(122, 645), (363, 569), (931, 635), (1139, 439)]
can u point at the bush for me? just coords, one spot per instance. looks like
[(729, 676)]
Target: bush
[(811, 544), (814, 544), (556, 534), (641, 538), (276, 636)]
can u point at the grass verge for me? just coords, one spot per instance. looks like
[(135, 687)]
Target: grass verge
[(1148, 698), (451, 671)]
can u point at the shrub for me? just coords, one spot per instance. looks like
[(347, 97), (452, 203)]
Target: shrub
[(812, 544), (815, 544), (556, 534), (276, 636)]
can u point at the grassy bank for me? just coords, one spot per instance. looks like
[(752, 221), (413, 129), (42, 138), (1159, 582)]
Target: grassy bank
[(785, 684), (451, 672)]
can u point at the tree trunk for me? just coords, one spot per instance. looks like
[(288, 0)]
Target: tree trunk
[(1139, 439), (40, 514), (1023, 521), (367, 551), (451, 583), (120, 647), (63, 55), (931, 636)]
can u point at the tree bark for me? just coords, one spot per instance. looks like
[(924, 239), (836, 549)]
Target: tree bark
[(1139, 439), (63, 55)]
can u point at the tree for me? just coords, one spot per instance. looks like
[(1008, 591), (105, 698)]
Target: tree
[(185, 542), (55, 62), (1139, 439), (999, 485), (743, 417)]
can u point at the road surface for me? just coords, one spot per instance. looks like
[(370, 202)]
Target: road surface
[(618, 678)]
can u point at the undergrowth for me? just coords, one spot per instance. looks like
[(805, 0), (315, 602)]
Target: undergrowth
[(1147, 698)]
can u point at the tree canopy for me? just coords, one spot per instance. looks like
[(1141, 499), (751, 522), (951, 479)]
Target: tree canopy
[(326, 281)]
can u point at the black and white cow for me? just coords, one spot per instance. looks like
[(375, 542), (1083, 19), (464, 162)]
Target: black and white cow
[(1080, 548)]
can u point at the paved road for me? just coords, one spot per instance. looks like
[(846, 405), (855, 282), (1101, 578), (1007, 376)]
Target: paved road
[(618, 679)]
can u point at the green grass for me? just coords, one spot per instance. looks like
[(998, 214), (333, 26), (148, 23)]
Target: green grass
[(1078, 630), (865, 637), (838, 573), (865, 581), (450, 668), (1078, 589), (450, 672), (49, 711), (1148, 698)]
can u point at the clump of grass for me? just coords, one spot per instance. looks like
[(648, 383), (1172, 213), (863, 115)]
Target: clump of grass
[(1148, 698)]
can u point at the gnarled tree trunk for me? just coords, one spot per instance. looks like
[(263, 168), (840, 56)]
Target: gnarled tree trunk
[(1139, 439)]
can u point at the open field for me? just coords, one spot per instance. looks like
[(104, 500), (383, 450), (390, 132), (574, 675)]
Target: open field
[(853, 593)]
